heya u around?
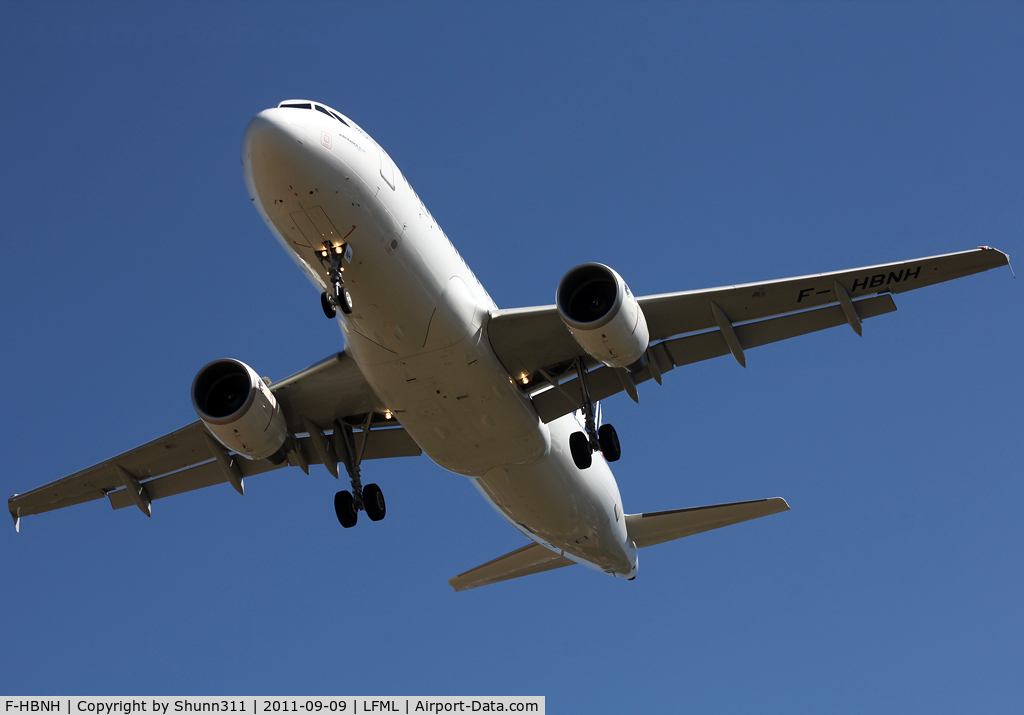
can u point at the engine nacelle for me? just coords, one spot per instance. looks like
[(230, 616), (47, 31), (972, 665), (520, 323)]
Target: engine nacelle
[(603, 315), (240, 410)]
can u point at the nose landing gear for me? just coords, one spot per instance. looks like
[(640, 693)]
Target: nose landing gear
[(331, 258)]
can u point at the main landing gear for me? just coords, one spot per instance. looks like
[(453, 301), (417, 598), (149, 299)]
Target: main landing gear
[(369, 498), (347, 509), (582, 445), (331, 258)]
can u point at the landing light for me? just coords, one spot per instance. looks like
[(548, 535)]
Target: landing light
[(323, 253), (525, 379), (387, 414), (337, 249)]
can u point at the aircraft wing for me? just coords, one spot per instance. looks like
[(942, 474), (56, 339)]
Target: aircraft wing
[(329, 392), (714, 322)]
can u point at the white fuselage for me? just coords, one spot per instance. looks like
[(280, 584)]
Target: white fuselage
[(418, 331)]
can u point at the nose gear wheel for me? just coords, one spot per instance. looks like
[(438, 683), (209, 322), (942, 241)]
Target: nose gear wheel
[(328, 305), (332, 259)]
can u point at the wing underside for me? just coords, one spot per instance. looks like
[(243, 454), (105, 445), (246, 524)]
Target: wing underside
[(325, 397), (699, 325)]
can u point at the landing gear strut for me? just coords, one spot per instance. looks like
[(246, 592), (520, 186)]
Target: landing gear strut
[(369, 498), (582, 445), (331, 258)]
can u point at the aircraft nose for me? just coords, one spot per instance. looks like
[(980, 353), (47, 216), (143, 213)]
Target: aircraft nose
[(272, 129), (272, 157)]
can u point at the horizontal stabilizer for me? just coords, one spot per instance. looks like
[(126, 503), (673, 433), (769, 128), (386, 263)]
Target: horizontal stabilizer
[(657, 527), (530, 559)]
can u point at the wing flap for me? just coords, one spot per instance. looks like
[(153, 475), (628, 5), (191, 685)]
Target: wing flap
[(530, 559), (704, 346), (203, 475), (383, 444), (661, 526), (604, 382)]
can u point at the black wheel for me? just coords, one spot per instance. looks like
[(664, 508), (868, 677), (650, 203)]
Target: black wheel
[(580, 449), (345, 508), (344, 300), (609, 443), (325, 303), (373, 502)]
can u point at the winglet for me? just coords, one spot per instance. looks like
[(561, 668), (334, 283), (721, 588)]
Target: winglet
[(16, 515), (1005, 255)]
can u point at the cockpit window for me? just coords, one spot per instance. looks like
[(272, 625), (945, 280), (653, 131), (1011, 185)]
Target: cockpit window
[(329, 113), (317, 107)]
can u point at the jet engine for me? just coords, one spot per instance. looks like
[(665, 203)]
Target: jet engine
[(240, 410), (603, 315)]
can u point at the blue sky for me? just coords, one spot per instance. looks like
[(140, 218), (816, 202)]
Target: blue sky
[(688, 145)]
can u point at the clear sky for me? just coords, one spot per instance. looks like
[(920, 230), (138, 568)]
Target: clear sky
[(688, 145)]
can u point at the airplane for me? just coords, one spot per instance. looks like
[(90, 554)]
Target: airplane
[(509, 398)]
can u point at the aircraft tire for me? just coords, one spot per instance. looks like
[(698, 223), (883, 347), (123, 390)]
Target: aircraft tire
[(344, 300), (325, 303), (373, 502), (609, 440), (345, 508), (579, 447)]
